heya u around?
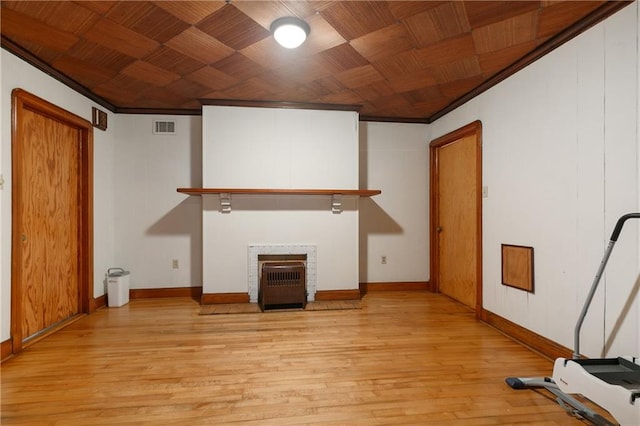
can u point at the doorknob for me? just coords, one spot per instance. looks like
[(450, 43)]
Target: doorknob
[(23, 237), (439, 229)]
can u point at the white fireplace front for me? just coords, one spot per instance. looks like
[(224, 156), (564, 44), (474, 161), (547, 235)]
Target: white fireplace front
[(279, 149)]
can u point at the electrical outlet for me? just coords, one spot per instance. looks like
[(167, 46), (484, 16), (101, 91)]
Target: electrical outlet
[(383, 260), (175, 264)]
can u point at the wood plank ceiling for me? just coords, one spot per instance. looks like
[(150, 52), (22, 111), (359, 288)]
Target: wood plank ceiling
[(397, 60)]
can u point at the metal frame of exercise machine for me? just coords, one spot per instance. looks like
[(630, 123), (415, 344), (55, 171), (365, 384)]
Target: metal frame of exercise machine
[(611, 383)]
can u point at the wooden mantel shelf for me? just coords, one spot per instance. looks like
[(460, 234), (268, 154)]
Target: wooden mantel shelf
[(358, 192), (225, 194)]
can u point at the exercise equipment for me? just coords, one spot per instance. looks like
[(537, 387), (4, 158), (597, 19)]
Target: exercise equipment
[(611, 383)]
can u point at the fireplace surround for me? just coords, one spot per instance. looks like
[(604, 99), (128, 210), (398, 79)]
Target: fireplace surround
[(278, 181)]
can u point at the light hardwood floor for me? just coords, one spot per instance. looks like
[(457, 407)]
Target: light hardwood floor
[(404, 358)]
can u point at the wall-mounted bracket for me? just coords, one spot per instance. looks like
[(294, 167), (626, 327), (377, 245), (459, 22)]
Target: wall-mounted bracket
[(336, 203), (225, 202)]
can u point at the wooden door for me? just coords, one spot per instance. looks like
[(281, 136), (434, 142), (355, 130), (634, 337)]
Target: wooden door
[(51, 266), (456, 215)]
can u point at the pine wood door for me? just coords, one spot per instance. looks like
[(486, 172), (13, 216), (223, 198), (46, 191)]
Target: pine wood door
[(51, 204), (456, 216)]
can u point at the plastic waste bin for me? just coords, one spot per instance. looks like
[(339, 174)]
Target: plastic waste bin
[(117, 287)]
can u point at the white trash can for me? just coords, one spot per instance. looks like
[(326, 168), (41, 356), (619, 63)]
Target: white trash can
[(117, 287)]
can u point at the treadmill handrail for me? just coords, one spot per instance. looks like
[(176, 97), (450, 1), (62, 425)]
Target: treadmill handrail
[(620, 223), (612, 241)]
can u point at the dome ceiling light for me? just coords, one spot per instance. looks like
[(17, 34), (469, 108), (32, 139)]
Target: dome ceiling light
[(289, 31)]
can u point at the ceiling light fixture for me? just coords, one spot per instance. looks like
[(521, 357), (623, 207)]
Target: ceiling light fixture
[(290, 32)]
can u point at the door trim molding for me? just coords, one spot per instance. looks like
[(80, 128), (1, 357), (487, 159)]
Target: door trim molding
[(474, 128), (21, 100)]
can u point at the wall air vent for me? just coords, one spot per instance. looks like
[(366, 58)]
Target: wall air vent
[(164, 127)]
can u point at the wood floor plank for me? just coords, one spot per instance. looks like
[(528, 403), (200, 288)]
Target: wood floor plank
[(404, 358)]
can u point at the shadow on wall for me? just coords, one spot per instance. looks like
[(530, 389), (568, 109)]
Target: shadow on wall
[(256, 202), (179, 220), (631, 301), (184, 219), (373, 221)]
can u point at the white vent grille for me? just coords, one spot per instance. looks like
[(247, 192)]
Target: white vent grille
[(164, 127)]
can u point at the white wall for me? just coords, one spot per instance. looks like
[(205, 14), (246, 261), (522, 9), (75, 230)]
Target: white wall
[(18, 74), (638, 167), (394, 157), (279, 220), (154, 224), (560, 159), (279, 148)]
